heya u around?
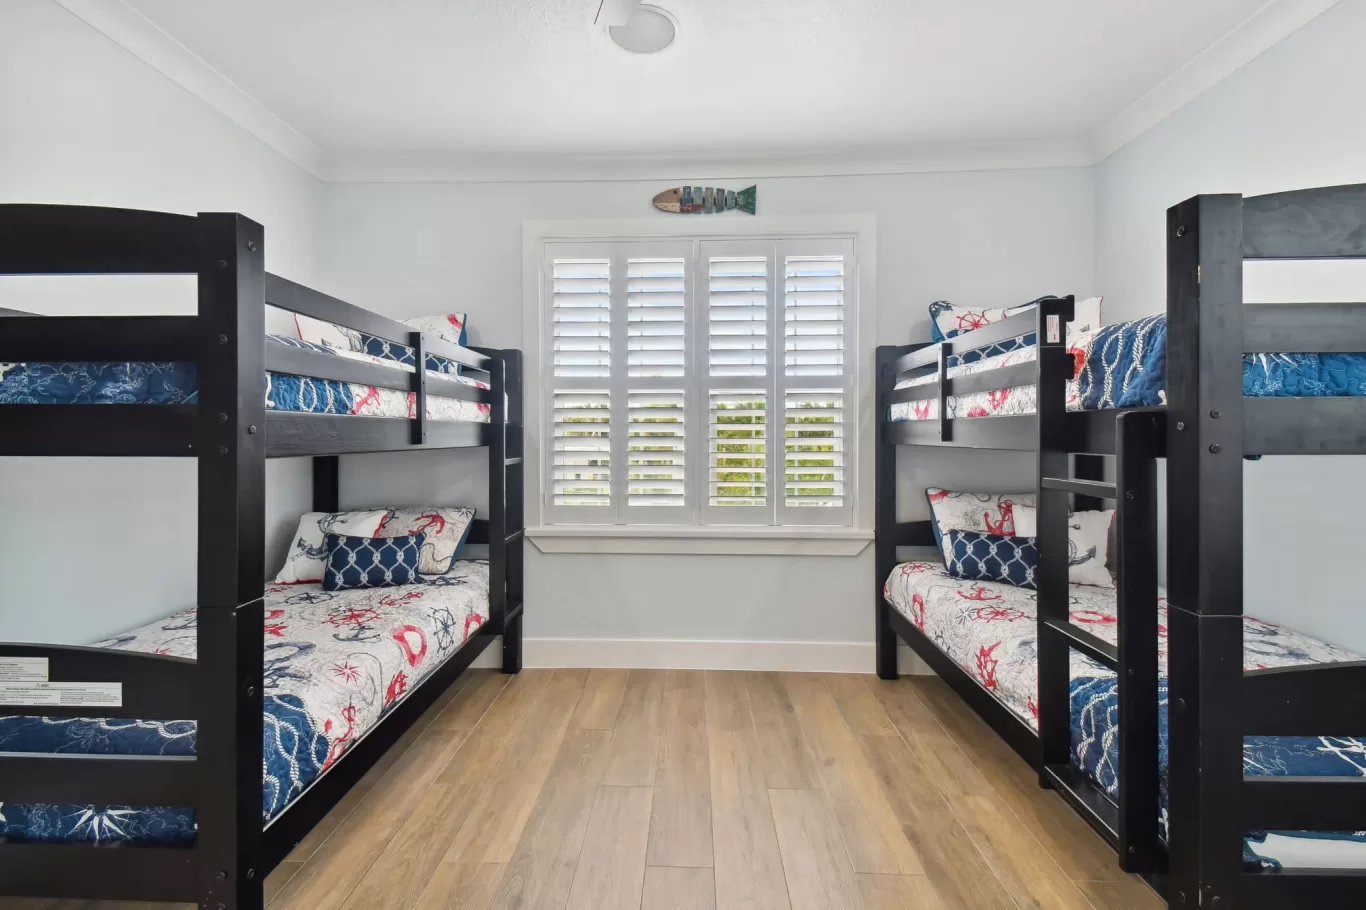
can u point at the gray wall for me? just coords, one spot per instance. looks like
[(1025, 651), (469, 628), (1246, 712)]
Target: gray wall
[(1288, 119)]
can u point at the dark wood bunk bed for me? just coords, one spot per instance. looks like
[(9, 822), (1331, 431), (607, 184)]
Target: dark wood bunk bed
[(1203, 432), (231, 433)]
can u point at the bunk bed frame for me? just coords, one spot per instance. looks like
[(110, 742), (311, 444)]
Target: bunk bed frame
[(1203, 433), (231, 434)]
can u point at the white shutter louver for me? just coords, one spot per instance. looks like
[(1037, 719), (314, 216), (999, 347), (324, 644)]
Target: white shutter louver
[(738, 430), (581, 320), (582, 470), (737, 316), (655, 317), (657, 432), (813, 316), (813, 471)]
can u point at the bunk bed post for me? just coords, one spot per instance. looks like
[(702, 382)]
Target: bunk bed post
[(327, 483), (231, 444), (1204, 545), (884, 515), (1050, 579), (514, 518)]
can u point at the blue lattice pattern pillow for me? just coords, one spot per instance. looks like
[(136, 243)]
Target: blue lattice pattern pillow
[(450, 327), (372, 562), (977, 556)]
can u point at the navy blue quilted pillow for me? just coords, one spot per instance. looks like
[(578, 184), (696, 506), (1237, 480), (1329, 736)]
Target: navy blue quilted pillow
[(372, 562), (977, 556)]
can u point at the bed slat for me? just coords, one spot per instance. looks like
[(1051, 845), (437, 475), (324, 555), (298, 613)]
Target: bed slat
[(122, 780), (79, 871), (89, 240), (1322, 223), (1315, 700), (1329, 328), (1303, 803)]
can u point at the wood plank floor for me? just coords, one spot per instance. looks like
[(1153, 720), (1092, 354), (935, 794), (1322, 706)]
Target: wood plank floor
[(684, 790)]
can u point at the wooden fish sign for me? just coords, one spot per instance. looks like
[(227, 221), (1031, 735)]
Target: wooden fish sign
[(693, 200)]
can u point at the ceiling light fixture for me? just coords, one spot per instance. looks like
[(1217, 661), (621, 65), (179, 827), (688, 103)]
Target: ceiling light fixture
[(648, 31)]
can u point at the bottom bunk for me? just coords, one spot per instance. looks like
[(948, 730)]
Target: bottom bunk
[(989, 631), (337, 663)]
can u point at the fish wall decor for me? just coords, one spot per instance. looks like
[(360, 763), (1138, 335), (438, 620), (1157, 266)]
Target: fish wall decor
[(694, 200)]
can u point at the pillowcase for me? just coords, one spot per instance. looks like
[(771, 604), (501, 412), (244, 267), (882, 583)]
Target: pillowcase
[(315, 331), (990, 513), (449, 328), (308, 553), (992, 557), (445, 532), (372, 562), (1088, 547), (1088, 543), (947, 320)]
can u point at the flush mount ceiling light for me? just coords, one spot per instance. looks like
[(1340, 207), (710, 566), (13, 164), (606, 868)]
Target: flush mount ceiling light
[(638, 28)]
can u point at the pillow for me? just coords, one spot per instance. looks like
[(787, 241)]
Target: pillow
[(308, 553), (1088, 543), (990, 513), (992, 557), (947, 320), (450, 327), (1088, 546), (372, 562), (445, 531), (315, 331)]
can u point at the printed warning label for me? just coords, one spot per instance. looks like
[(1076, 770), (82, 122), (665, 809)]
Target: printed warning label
[(62, 694), (23, 669), (1054, 331)]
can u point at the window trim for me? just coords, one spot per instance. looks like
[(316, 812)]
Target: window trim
[(861, 229)]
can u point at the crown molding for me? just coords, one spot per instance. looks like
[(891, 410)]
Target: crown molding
[(1261, 31), (145, 40), (515, 168)]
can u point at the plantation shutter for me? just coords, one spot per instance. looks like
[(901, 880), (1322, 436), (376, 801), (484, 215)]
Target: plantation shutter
[(816, 386), (738, 390), (654, 419), (699, 382)]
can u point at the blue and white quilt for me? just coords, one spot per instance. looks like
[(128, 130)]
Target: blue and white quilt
[(1125, 366), (177, 383), (336, 663), (990, 630)]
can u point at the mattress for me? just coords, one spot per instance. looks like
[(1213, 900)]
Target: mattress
[(336, 663), (176, 383), (1124, 366), (989, 630)]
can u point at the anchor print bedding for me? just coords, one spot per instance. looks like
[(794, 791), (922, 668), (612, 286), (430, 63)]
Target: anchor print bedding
[(1125, 366), (989, 630), (336, 663)]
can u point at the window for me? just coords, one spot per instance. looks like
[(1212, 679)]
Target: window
[(699, 381)]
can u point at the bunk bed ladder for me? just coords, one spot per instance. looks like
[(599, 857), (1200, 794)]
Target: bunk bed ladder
[(507, 529)]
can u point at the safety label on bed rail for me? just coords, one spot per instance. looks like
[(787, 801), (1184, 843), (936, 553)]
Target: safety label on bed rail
[(62, 694), (23, 669)]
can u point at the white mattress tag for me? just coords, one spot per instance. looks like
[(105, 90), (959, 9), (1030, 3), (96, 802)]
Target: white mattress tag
[(1054, 334), (62, 694), (23, 669)]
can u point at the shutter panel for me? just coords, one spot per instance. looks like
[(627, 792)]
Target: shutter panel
[(738, 426), (582, 444), (655, 317), (737, 316), (813, 316), (655, 444), (813, 471), (581, 317)]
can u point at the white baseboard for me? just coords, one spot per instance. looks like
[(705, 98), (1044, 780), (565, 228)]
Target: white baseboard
[(672, 654)]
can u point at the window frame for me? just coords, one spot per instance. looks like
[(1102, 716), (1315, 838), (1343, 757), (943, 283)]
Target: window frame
[(697, 526)]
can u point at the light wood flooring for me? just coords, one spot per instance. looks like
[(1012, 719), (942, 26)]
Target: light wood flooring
[(683, 790)]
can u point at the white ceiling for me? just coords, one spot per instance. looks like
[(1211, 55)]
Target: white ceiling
[(503, 80)]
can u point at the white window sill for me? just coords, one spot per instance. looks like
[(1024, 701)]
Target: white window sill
[(710, 541)]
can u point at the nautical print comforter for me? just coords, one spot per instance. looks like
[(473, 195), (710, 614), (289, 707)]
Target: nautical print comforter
[(336, 663), (177, 383), (1125, 366), (989, 630)]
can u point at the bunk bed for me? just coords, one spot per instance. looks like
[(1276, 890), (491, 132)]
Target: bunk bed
[(193, 817), (1251, 791)]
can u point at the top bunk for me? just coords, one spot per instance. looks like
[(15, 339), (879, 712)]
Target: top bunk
[(180, 386), (1292, 375)]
